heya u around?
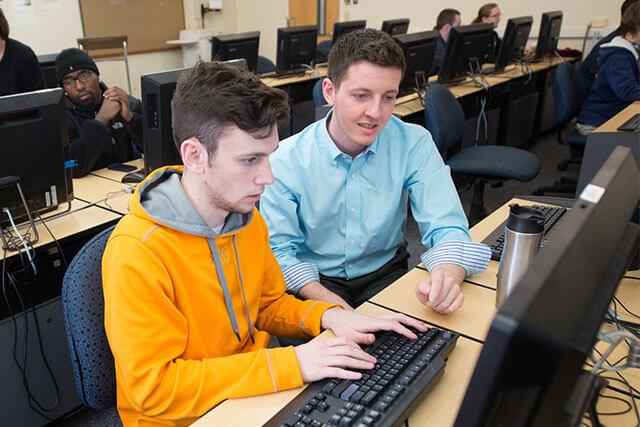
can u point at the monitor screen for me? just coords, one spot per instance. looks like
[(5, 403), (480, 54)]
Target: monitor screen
[(393, 27), (514, 41), (418, 49), (530, 370), (34, 145), (296, 48), (342, 28), (237, 46), (549, 34), (468, 47)]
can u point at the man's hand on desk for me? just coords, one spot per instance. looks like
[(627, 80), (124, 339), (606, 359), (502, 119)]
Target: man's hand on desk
[(442, 290), (332, 358), (315, 290)]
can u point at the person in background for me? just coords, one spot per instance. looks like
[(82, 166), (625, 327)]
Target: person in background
[(191, 287), (490, 14), (19, 68), (337, 209), (589, 66), (447, 19), (617, 82), (105, 125)]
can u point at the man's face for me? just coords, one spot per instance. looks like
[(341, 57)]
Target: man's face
[(362, 104), (82, 87), (446, 30), (239, 171)]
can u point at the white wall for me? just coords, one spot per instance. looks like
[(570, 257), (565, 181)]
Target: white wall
[(49, 31)]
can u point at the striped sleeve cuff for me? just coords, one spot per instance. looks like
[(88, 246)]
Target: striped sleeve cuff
[(299, 275), (473, 257)]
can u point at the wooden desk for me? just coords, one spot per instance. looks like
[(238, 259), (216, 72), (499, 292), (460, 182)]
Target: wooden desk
[(472, 320), (316, 73), (440, 407), (107, 193), (117, 175), (612, 124)]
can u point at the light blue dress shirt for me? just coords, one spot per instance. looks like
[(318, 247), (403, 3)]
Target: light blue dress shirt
[(345, 217)]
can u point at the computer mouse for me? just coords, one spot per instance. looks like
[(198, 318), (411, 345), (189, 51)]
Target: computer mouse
[(133, 178)]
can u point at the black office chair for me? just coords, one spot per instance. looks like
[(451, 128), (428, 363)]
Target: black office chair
[(569, 94), (444, 118), (265, 65)]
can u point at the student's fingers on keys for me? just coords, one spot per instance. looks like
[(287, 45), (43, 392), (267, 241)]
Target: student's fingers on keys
[(339, 373), (349, 362), (409, 321), (350, 351)]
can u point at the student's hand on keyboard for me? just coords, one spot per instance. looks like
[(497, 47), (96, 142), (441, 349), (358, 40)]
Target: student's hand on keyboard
[(332, 358), (442, 290), (359, 327)]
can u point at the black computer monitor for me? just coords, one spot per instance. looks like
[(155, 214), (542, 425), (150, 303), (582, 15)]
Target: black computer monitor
[(393, 27), (342, 28), (530, 370), (237, 46), (514, 41), (468, 47), (296, 49), (48, 66), (418, 49), (34, 145), (549, 34)]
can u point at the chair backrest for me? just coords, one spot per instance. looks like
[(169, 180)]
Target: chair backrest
[(322, 52), (265, 65), (83, 306), (569, 93), (443, 117), (318, 96)]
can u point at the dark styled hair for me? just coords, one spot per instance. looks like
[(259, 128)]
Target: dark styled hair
[(446, 16), (4, 26), (484, 12), (369, 45), (212, 96), (630, 20), (626, 5)]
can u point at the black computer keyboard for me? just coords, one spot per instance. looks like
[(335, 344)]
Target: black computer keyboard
[(631, 125), (551, 216), (405, 370)]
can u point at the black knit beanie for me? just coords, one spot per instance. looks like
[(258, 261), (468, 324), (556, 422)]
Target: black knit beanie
[(73, 59)]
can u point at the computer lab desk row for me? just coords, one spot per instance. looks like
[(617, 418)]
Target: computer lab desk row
[(471, 321)]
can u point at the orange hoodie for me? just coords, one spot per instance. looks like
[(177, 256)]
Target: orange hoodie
[(187, 310)]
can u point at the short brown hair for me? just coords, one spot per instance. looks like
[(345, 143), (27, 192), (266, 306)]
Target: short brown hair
[(368, 45), (484, 12), (212, 96), (4, 26), (630, 20), (446, 16)]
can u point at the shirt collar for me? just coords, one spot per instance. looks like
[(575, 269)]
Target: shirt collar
[(331, 149)]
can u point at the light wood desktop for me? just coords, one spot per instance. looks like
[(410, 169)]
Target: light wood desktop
[(612, 124), (316, 73), (439, 408), (106, 193)]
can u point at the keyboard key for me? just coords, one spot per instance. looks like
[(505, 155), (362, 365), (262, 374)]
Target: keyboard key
[(357, 396), (381, 406), (322, 406), (349, 391), (352, 414), (335, 419), (369, 397), (346, 422), (329, 386)]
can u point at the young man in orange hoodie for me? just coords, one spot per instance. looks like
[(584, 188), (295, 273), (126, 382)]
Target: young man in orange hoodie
[(192, 289)]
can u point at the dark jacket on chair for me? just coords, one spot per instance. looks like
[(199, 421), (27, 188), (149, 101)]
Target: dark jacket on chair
[(95, 146), (617, 83)]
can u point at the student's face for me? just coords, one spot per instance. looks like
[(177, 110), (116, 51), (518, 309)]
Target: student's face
[(239, 171), (362, 105), (494, 18), (446, 30), (82, 87)]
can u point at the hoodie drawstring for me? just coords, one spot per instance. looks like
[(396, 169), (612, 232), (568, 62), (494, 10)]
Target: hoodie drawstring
[(246, 306)]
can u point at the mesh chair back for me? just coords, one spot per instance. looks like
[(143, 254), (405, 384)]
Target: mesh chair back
[(83, 305), (568, 93), (443, 117), (265, 65)]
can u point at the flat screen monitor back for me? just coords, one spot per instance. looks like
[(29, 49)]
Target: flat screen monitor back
[(549, 34), (419, 49), (157, 132), (514, 41), (296, 48), (468, 47), (342, 28), (34, 145), (529, 372), (237, 46), (393, 27)]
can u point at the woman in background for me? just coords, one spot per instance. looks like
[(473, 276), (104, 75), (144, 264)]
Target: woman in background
[(490, 14)]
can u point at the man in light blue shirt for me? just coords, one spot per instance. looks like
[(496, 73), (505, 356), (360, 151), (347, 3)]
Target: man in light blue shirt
[(337, 209)]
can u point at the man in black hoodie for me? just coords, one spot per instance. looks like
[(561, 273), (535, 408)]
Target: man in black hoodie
[(105, 125)]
